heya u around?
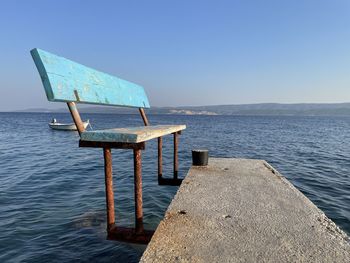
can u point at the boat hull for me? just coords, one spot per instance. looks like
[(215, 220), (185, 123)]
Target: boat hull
[(66, 127)]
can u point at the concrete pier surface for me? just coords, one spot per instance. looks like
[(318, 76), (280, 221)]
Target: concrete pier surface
[(239, 210)]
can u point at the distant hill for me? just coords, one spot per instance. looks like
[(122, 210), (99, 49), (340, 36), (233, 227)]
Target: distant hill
[(304, 109), (301, 109)]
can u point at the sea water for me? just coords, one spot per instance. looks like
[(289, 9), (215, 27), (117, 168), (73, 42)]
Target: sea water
[(52, 199)]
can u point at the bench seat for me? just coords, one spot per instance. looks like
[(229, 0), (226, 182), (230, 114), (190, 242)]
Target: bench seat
[(130, 135)]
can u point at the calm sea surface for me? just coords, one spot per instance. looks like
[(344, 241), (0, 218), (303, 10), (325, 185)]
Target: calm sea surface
[(52, 200)]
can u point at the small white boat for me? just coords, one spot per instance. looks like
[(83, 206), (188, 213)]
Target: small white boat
[(66, 126)]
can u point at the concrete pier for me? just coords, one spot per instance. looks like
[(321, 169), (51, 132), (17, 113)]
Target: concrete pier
[(238, 210)]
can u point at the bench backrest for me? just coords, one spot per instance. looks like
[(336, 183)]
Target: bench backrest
[(68, 81)]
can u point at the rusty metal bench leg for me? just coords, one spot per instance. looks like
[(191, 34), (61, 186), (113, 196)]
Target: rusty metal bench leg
[(160, 158), (138, 192), (176, 159), (125, 234), (109, 188), (175, 181)]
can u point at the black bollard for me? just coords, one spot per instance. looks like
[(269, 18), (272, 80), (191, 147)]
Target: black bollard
[(200, 157)]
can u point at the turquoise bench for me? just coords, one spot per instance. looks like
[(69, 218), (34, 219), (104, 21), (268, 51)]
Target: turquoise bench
[(70, 82)]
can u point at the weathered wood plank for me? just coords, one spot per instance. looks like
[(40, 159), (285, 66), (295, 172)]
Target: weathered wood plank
[(65, 81), (131, 135)]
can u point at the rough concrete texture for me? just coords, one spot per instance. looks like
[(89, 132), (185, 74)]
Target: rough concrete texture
[(238, 210)]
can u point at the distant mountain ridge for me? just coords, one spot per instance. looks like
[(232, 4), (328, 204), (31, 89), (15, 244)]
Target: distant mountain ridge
[(274, 109)]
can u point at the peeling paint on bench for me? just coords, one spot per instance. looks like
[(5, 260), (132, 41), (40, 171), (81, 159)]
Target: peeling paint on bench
[(65, 80)]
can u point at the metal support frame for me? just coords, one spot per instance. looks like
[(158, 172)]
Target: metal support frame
[(76, 117), (137, 234), (165, 181), (176, 159), (107, 154), (116, 145), (160, 158), (133, 235), (138, 192), (175, 181), (144, 117)]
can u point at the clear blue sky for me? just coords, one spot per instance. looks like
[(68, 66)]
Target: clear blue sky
[(184, 52)]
